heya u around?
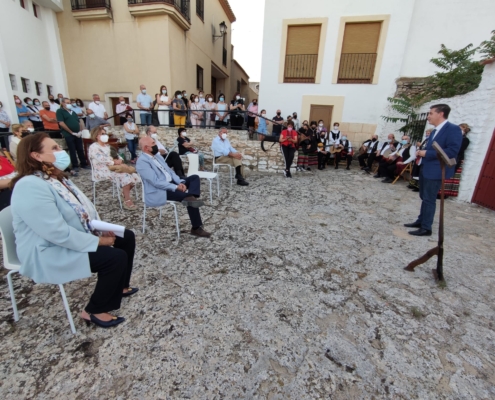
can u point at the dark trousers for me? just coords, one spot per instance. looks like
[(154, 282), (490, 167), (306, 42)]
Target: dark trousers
[(236, 121), (338, 157), (75, 144), (3, 139), (114, 268), (288, 153), (193, 184), (362, 159), (5, 195), (428, 190), (371, 158), (122, 120), (174, 162), (219, 124), (387, 169), (322, 158), (131, 145), (38, 125)]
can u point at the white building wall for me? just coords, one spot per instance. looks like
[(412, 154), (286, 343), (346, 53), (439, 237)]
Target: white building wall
[(454, 23), (29, 48)]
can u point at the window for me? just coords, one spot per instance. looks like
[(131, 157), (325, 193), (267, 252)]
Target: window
[(26, 85), (49, 90), (200, 9), (239, 86), (23, 4), (224, 54), (359, 52), (39, 88), (199, 77), (301, 55), (13, 82), (36, 10)]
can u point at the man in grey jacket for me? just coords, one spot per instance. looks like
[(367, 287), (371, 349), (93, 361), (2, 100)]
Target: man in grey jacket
[(162, 184)]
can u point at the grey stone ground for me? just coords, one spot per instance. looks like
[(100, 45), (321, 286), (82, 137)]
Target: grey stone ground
[(300, 294)]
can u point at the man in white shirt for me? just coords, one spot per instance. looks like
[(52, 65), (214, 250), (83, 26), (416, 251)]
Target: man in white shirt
[(173, 159), (162, 184), (97, 107), (54, 106), (145, 104), (224, 153)]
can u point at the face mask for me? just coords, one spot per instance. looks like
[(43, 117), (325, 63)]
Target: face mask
[(51, 100), (164, 91), (154, 135), (183, 134), (74, 105), (97, 101), (344, 137), (237, 97), (91, 116), (255, 102), (129, 120), (30, 102), (143, 91), (18, 101), (196, 100), (30, 129), (373, 140), (122, 102), (185, 95), (62, 160), (263, 114), (336, 127), (224, 136), (404, 142), (222, 99), (36, 103), (179, 96), (154, 149), (68, 106), (289, 128), (390, 140), (278, 114), (320, 125), (210, 99), (47, 108), (201, 95)]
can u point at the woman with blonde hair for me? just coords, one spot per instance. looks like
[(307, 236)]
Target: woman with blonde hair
[(17, 131), (101, 160), (210, 115), (197, 113), (452, 184)]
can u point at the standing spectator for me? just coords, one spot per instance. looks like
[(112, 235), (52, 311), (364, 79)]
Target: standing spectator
[(221, 114), (184, 98), (452, 184), (93, 120), (54, 106), (202, 99), (186, 147), (60, 99), (277, 123), (145, 104), (97, 107), (252, 114), (122, 109), (35, 114), (80, 104), (210, 114), (288, 142), (70, 127), (5, 120), (131, 135), (180, 110), (164, 103), (295, 121), (22, 112), (197, 113), (78, 110), (236, 108), (262, 123), (49, 118)]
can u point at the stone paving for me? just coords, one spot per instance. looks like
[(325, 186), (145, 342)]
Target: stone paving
[(299, 294)]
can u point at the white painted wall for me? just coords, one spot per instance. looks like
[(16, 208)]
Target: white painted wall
[(29, 48), (455, 23)]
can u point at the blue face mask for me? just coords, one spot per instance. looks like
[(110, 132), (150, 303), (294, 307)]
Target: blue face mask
[(404, 142), (179, 96), (222, 99), (344, 137), (62, 160)]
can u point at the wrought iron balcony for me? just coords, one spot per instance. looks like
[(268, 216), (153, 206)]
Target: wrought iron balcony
[(357, 67), (182, 6), (300, 68), (88, 4)]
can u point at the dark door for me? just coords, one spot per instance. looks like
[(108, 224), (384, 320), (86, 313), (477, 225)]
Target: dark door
[(115, 101), (214, 88), (484, 194), (322, 112)]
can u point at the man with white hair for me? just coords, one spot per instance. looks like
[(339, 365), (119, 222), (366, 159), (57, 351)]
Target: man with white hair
[(145, 104), (97, 107), (224, 153), (173, 159)]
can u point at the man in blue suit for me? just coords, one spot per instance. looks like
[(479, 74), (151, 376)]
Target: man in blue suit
[(162, 184), (449, 137)]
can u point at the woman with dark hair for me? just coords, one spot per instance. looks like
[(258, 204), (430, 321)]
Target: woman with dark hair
[(308, 156), (236, 114), (196, 113), (180, 110), (163, 102), (209, 105), (131, 133), (80, 104), (452, 184), (222, 116), (288, 142), (186, 147), (56, 242)]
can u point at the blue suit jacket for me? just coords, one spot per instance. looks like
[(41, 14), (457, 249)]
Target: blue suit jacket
[(155, 184), (449, 138)]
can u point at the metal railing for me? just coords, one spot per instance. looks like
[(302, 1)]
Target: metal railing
[(180, 5), (415, 127), (357, 67), (88, 4), (300, 68)]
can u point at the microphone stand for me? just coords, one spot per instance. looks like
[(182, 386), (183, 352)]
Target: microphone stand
[(438, 250)]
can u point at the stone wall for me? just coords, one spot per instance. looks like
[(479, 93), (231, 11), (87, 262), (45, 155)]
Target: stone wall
[(410, 86)]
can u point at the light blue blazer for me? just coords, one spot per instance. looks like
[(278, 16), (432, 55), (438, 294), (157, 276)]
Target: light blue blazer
[(155, 184), (52, 245)]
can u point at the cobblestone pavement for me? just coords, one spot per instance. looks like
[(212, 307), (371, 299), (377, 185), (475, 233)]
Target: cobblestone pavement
[(299, 294)]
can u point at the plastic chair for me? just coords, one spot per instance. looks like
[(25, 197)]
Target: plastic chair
[(217, 166), (194, 170), (172, 203), (115, 185), (11, 262)]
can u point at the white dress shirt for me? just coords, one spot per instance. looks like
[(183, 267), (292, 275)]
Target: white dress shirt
[(98, 109)]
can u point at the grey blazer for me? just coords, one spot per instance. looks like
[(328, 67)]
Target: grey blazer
[(155, 184)]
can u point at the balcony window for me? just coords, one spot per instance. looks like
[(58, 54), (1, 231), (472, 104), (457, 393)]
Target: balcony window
[(301, 56), (200, 9), (182, 6), (26, 85), (49, 90), (91, 9), (39, 88), (199, 77), (23, 4), (13, 82), (36, 10), (86, 4)]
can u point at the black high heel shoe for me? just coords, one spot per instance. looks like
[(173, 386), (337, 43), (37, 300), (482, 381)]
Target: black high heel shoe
[(130, 291), (104, 324)]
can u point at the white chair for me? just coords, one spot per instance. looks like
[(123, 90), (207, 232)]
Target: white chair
[(172, 203), (194, 170), (217, 166), (11, 262), (115, 185)]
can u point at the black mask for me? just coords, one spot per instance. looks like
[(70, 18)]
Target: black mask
[(255, 102), (154, 149), (279, 114), (322, 135), (24, 133), (47, 108), (373, 140)]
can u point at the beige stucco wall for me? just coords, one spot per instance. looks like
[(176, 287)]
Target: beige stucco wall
[(126, 51), (237, 74)]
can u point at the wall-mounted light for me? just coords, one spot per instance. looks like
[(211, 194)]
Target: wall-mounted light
[(223, 30)]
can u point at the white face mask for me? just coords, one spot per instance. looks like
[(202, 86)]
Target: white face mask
[(196, 100), (263, 114), (30, 129), (224, 136), (183, 134), (154, 135), (201, 95), (210, 99), (143, 91), (104, 138), (237, 97), (97, 101), (122, 102), (320, 125), (164, 91), (336, 127)]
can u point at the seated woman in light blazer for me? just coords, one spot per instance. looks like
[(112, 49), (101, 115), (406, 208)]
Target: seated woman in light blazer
[(54, 237)]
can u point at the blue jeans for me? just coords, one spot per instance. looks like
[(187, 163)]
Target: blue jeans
[(131, 145), (145, 118), (428, 190)]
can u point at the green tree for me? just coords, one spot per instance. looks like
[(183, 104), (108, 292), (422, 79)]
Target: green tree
[(458, 75), (407, 107), (487, 48)]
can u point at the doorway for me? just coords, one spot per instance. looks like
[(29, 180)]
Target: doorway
[(116, 118), (322, 112), (214, 88), (484, 193)]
